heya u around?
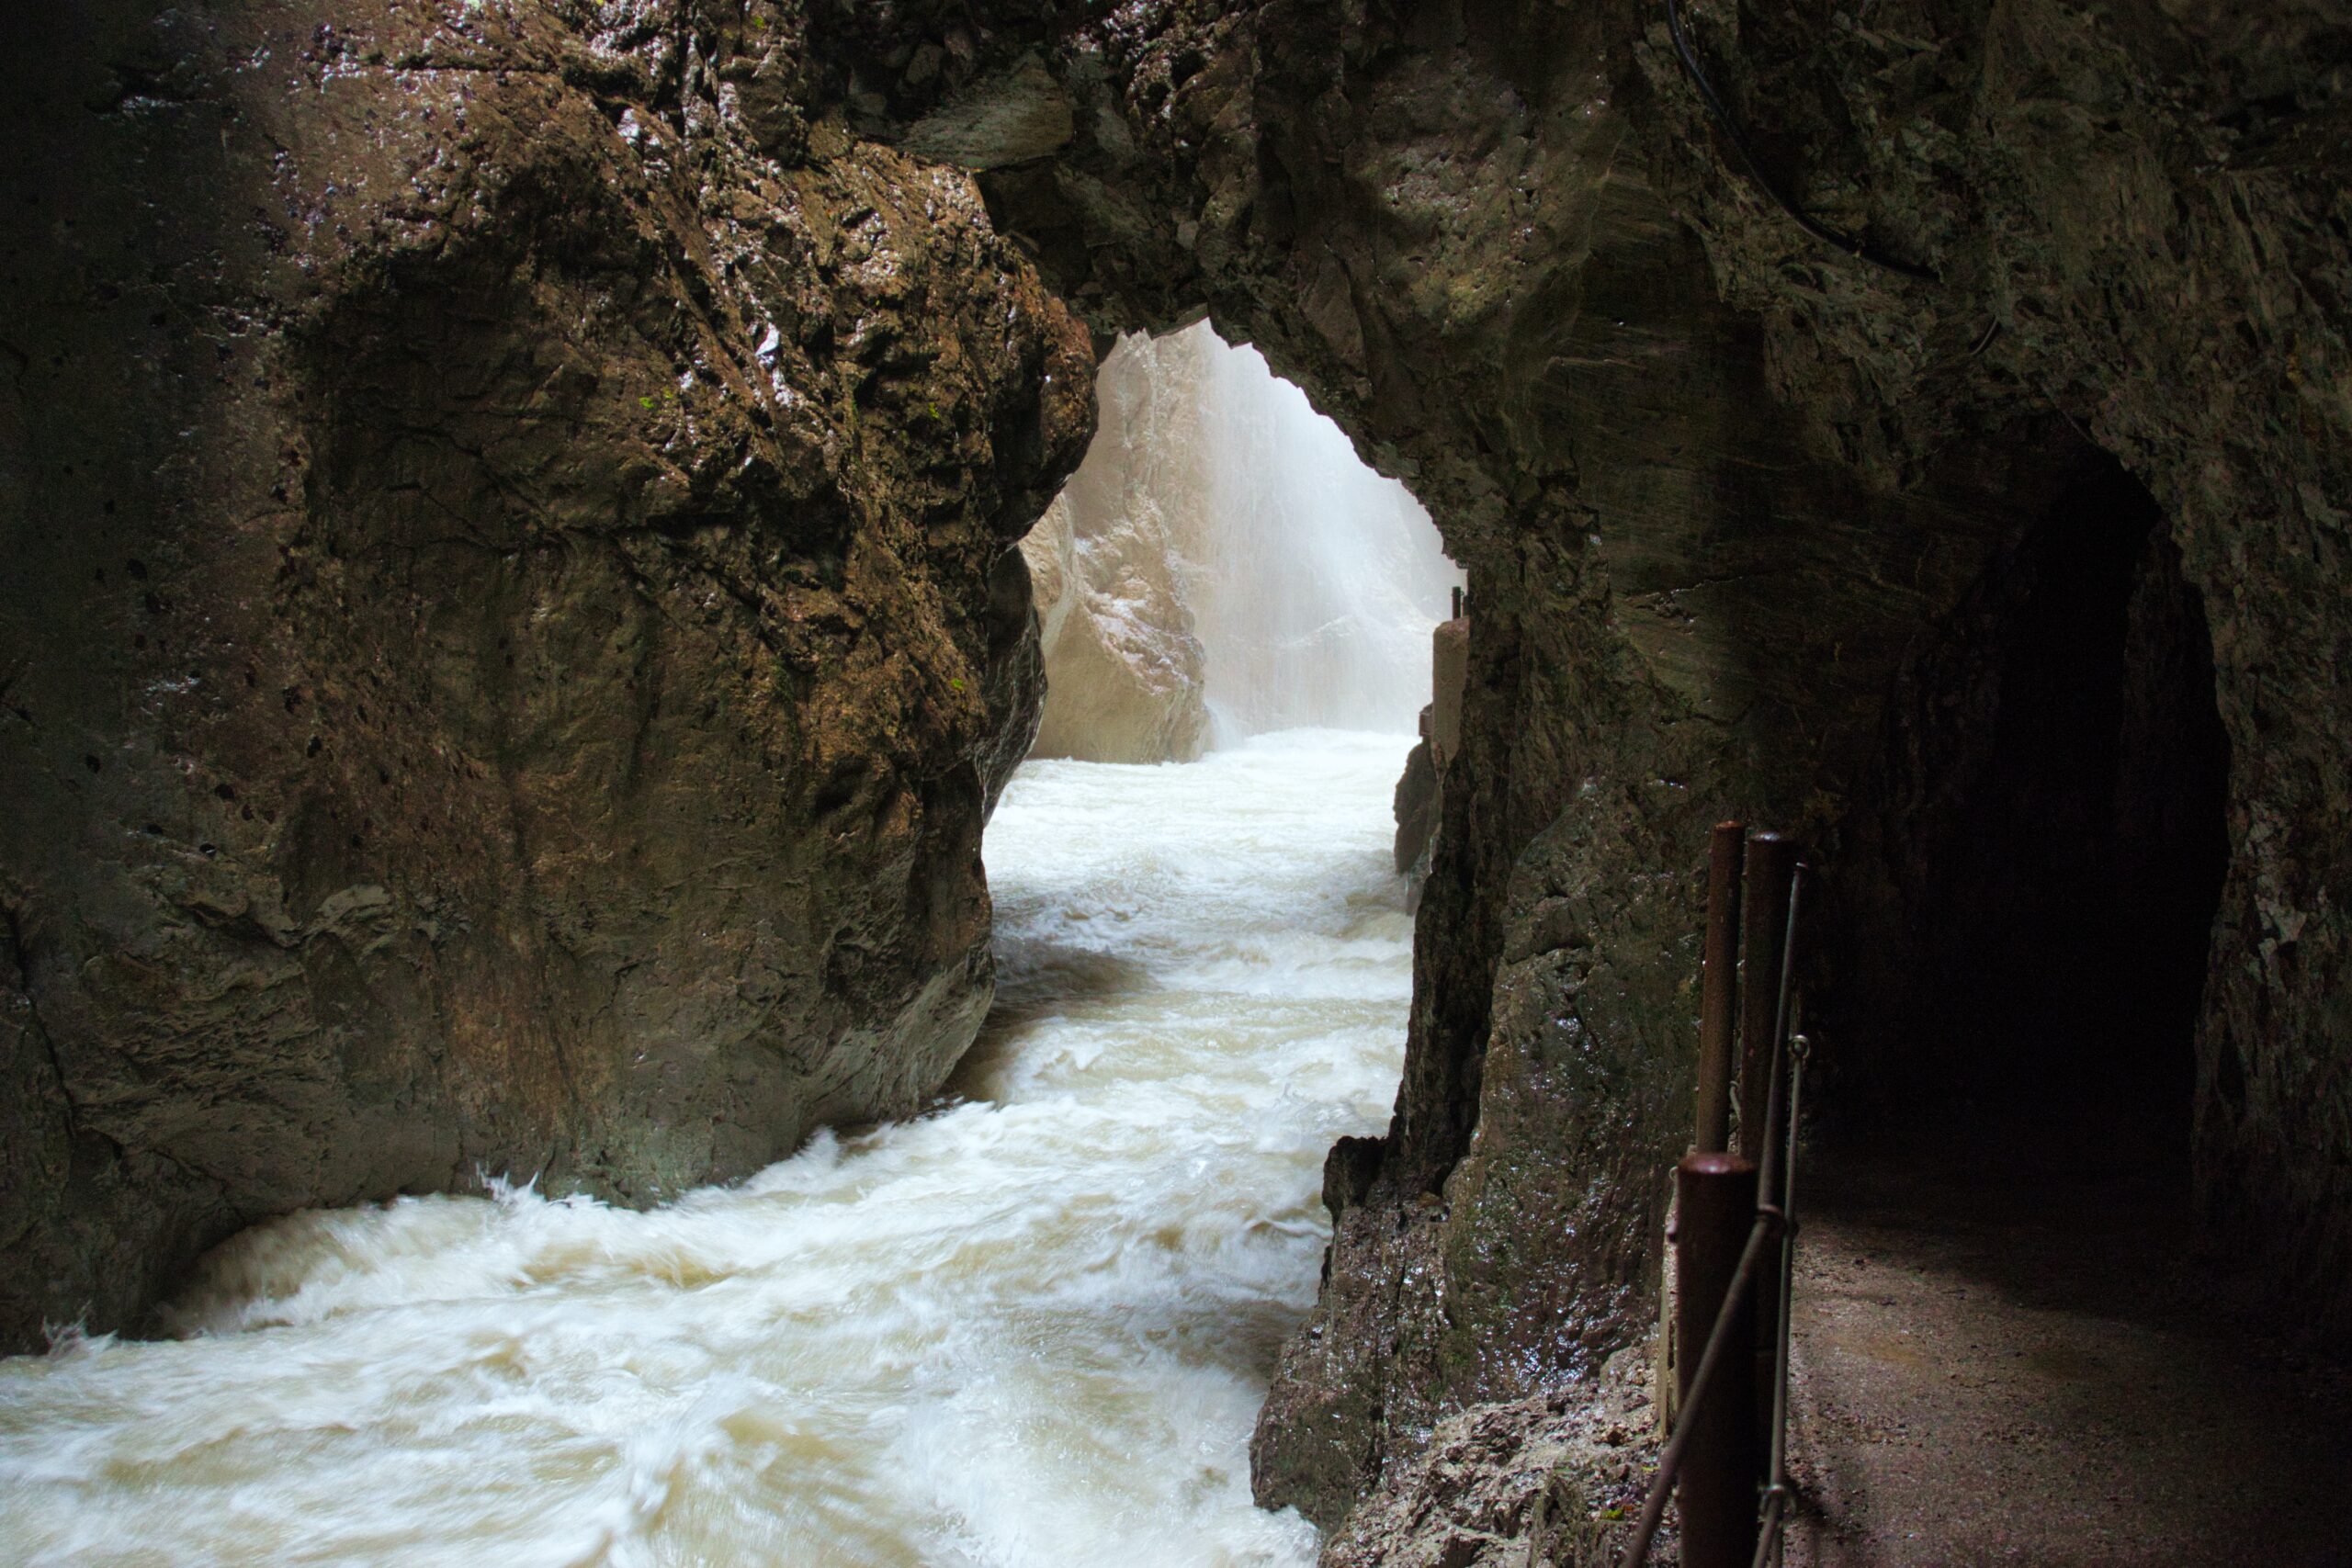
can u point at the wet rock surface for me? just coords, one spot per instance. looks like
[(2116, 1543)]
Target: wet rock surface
[(1416, 806), (1421, 792), (2139, 220), (1737, 509), (1124, 681), (1555, 1480), (511, 618), (1127, 676), (1718, 487)]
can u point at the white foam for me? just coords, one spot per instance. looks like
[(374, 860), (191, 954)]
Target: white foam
[(1030, 1330)]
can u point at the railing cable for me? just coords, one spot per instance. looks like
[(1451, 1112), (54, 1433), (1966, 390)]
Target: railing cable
[(1778, 1495), (1775, 1206), (1670, 1464)]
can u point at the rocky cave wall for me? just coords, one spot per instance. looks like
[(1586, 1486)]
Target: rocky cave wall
[(1717, 486), (2029, 872), (509, 616)]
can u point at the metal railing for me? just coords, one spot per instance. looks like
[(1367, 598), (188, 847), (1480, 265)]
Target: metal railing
[(1735, 1497)]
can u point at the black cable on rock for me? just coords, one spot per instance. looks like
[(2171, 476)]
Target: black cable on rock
[(1861, 250)]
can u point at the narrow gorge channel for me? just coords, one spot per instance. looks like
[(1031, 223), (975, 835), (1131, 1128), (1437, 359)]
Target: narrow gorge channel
[(712, 848), (1032, 1328)]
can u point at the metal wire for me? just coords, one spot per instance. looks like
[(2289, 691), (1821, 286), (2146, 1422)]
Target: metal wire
[(1775, 1211), (1767, 1182), (1860, 250), (1777, 1494), (1670, 1464)]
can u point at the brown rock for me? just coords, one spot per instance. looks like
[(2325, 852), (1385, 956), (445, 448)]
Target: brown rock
[(1752, 527), (510, 621), (1418, 805), (1449, 672), (1555, 1480), (1731, 502)]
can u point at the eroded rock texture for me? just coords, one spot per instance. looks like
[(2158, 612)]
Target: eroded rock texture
[(1127, 678), (1726, 496), (511, 618), (1553, 1479), (1754, 527)]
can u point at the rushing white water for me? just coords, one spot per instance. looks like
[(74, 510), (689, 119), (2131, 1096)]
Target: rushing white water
[(1031, 1329)]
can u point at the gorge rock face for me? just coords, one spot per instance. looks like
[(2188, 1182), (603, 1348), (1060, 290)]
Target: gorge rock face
[(1553, 1479), (1415, 805), (1754, 527), (1522, 326), (510, 620), (1419, 792), (1725, 495), (1125, 676), (2150, 208), (1230, 563)]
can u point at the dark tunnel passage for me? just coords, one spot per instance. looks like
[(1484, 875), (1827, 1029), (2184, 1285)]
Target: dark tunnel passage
[(2031, 912), (1993, 1249)]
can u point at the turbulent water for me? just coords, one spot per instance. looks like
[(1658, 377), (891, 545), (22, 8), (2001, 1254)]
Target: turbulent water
[(1030, 1329)]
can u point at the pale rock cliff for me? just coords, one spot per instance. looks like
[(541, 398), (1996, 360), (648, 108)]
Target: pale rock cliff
[(1125, 675)]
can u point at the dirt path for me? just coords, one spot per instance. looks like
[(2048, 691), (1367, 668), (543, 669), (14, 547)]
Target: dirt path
[(2036, 1375)]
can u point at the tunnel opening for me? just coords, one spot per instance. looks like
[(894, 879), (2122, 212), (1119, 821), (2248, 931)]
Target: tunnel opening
[(2028, 922), (1995, 1251), (1224, 565)]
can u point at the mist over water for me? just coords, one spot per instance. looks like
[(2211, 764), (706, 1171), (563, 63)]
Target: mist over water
[(1230, 550), (1314, 583), (1032, 1329)]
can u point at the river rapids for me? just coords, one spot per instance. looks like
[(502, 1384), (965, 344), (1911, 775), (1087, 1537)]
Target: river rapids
[(1031, 1328)]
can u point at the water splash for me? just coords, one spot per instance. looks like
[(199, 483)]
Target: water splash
[(1029, 1330)]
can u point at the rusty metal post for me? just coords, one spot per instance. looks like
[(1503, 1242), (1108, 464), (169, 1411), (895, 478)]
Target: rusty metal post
[(1719, 989), (1767, 993), (1722, 1466), (1771, 863), (1776, 1110)]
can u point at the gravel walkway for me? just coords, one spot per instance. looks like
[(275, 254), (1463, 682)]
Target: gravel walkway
[(2037, 1374)]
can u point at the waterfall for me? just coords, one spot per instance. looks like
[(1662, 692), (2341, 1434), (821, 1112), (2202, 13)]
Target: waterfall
[(1313, 581), (1223, 565)]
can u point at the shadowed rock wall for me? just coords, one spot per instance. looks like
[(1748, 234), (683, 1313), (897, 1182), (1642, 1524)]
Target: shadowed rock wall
[(1716, 486), (2029, 874), (2144, 207), (509, 614), (1715, 483)]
